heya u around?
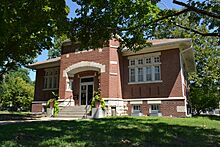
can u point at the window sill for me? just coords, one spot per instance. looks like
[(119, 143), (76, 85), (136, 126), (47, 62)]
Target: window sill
[(145, 82), (50, 89)]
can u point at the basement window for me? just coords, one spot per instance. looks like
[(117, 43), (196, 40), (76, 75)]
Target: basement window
[(136, 108)]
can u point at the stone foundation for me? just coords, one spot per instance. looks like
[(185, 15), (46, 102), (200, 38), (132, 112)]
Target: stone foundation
[(38, 107), (171, 108), (116, 107)]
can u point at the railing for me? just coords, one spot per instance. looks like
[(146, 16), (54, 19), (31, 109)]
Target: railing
[(69, 103), (86, 108)]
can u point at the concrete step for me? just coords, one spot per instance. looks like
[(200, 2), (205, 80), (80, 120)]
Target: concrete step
[(74, 108), (71, 116), (73, 111)]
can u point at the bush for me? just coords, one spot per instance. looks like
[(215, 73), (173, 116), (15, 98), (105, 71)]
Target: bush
[(97, 98)]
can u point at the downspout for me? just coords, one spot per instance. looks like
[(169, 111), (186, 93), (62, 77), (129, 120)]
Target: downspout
[(182, 78)]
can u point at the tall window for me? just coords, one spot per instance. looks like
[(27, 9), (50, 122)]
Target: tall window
[(132, 74), (144, 69), (51, 78), (140, 75)]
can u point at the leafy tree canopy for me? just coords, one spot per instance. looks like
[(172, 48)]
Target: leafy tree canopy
[(55, 51), (16, 91), (135, 21), (27, 27), (205, 83)]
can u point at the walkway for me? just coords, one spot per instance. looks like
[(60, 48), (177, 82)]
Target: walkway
[(36, 120)]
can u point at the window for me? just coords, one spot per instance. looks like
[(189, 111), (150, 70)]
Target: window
[(156, 59), (157, 72), (144, 69), (132, 75), (132, 62), (155, 107), (140, 61), (140, 75), (51, 78), (136, 108), (148, 60), (148, 73)]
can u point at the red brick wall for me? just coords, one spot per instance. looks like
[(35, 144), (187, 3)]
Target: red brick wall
[(170, 75), (167, 108), (97, 56), (40, 94), (115, 75)]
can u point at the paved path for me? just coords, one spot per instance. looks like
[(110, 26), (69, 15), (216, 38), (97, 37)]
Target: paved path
[(36, 120)]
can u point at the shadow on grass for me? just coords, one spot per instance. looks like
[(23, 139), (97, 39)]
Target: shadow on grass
[(125, 131), (11, 116), (211, 117)]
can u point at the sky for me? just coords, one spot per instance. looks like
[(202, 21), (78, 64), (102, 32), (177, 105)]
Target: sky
[(164, 4)]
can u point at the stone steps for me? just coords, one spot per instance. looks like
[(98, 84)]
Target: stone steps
[(73, 111)]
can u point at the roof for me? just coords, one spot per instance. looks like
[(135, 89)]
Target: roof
[(184, 44), (47, 63), (168, 41)]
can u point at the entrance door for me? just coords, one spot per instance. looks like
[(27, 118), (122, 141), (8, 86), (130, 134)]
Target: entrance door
[(86, 92)]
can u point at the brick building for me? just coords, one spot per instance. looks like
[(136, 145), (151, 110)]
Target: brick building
[(147, 82)]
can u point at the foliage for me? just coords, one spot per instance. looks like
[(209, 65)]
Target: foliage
[(135, 21), (98, 21), (97, 98), (28, 28), (55, 106), (55, 51), (116, 131), (16, 93), (205, 83)]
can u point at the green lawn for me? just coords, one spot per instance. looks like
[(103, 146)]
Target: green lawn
[(7, 115), (118, 131)]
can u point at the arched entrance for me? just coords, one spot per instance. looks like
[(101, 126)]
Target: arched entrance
[(85, 77)]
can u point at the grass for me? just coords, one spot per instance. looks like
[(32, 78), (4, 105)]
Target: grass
[(116, 131), (10, 115)]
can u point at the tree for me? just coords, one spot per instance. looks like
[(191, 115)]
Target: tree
[(205, 82), (55, 51), (17, 91), (135, 21), (27, 27)]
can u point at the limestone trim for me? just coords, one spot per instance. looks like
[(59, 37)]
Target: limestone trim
[(38, 102), (83, 66), (154, 99), (112, 99)]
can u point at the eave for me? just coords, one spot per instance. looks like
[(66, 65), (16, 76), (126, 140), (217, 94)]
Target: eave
[(55, 62), (184, 45)]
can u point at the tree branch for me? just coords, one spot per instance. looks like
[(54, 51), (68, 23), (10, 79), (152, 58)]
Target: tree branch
[(197, 10), (197, 32), (153, 22)]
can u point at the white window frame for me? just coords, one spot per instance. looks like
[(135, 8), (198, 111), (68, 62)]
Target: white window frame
[(152, 65), (136, 110), (156, 110), (50, 75)]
